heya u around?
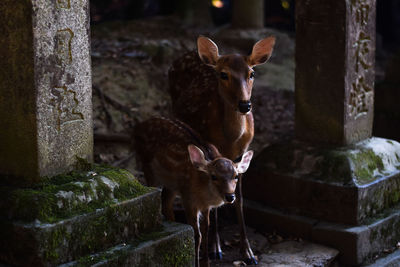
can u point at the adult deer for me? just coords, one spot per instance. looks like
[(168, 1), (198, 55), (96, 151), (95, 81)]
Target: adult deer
[(211, 93), (174, 157)]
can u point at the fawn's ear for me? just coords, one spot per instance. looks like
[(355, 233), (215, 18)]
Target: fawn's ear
[(197, 158), (208, 51), (243, 165), (262, 51), (214, 150)]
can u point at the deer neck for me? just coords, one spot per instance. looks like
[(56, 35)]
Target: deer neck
[(234, 123)]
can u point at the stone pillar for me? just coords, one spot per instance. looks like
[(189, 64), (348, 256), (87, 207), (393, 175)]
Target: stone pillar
[(334, 184), (88, 217), (335, 52), (45, 88)]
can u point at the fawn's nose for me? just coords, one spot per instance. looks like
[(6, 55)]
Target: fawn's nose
[(244, 106), (230, 198)]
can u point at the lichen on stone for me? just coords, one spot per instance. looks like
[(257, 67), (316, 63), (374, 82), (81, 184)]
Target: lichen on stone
[(71, 194)]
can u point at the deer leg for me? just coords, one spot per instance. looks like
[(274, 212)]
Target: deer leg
[(204, 226), (192, 218), (245, 249), (167, 198), (215, 245)]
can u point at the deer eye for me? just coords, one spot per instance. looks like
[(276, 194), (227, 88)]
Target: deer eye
[(223, 75), (237, 177), (213, 177), (252, 75)]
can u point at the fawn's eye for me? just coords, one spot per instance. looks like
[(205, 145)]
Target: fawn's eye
[(237, 177), (252, 75), (223, 75), (213, 177)]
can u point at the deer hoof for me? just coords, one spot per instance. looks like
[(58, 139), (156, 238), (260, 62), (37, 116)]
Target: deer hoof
[(251, 261), (215, 255)]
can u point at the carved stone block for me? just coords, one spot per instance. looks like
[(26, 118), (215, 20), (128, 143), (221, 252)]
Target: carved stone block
[(45, 88), (335, 49)]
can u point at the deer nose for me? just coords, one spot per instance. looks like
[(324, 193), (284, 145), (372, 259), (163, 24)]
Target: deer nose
[(244, 106), (230, 198)]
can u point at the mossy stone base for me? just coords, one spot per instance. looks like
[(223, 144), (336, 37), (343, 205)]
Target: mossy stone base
[(358, 245), (345, 185), (171, 245), (74, 215)]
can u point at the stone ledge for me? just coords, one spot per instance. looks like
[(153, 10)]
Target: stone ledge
[(391, 260), (68, 195), (59, 235), (344, 185), (357, 244), (173, 245)]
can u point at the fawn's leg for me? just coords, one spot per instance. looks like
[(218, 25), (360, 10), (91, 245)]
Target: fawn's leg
[(192, 219), (204, 224), (167, 198), (214, 241), (245, 249)]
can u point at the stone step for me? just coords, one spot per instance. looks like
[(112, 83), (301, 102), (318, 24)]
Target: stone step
[(74, 215), (390, 260), (344, 185), (357, 244), (172, 245)]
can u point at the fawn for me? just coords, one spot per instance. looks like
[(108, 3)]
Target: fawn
[(211, 93), (175, 157)]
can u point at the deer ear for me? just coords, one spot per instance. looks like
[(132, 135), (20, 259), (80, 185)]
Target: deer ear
[(243, 165), (197, 158), (208, 51), (262, 51)]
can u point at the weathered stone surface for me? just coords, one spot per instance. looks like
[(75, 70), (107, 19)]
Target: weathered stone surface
[(173, 245), (64, 220), (335, 51), (68, 195), (356, 244), (391, 260), (299, 254), (360, 244), (45, 88), (345, 185), (263, 217)]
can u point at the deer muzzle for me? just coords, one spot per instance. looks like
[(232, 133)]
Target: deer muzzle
[(230, 198), (244, 106)]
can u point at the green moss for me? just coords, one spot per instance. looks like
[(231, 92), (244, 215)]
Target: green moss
[(71, 194), (365, 163), (100, 230), (178, 254), (53, 243), (334, 167), (171, 253)]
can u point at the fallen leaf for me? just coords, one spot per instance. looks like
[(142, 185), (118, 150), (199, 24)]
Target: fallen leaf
[(239, 263)]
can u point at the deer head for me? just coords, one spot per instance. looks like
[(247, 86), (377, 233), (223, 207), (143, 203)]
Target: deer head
[(235, 72), (222, 173)]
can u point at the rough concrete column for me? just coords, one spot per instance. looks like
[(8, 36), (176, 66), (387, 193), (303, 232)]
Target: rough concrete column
[(335, 52), (45, 88)]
